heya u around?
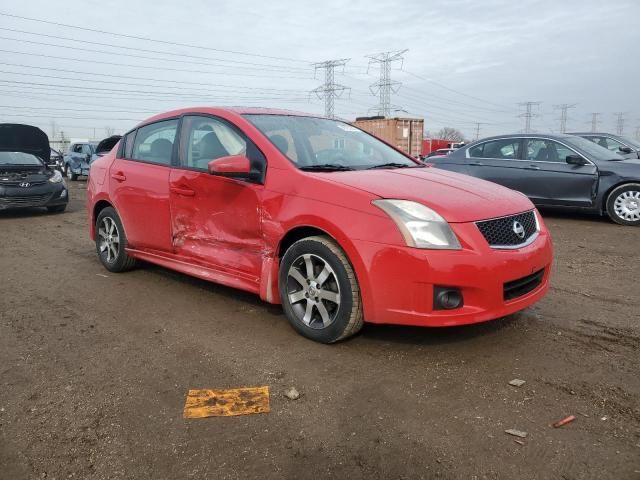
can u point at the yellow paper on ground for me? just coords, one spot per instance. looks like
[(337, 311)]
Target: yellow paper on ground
[(224, 403)]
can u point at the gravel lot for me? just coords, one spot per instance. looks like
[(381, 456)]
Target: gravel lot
[(95, 367)]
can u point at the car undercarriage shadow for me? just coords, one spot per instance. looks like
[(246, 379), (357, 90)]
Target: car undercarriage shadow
[(25, 213), (410, 335), (375, 333), (572, 214)]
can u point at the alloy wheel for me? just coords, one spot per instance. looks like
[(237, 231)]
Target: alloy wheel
[(109, 239), (313, 291), (627, 205)]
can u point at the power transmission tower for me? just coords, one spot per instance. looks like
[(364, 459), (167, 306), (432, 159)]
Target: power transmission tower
[(330, 90), (563, 115), (478, 124), (594, 121), (528, 114), (385, 85), (620, 122)]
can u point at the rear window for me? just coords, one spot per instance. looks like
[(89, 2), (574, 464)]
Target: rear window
[(154, 142)]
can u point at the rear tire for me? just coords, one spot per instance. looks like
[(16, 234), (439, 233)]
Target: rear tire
[(623, 204), (111, 242), (319, 290)]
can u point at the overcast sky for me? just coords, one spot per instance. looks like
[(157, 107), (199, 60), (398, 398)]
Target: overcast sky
[(468, 61)]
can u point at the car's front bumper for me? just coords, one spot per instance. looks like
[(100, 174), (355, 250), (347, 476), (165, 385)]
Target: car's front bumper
[(47, 195), (401, 280)]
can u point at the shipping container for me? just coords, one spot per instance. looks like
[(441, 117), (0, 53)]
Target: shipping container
[(403, 133)]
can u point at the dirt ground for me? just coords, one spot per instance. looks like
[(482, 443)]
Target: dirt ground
[(95, 367)]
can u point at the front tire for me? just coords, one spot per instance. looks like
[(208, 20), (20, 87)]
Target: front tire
[(319, 290), (623, 204), (111, 242), (69, 174)]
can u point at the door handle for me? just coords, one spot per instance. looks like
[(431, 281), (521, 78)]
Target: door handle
[(185, 192), (532, 167), (119, 176)]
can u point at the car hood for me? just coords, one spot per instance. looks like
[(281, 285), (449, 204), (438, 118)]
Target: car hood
[(457, 197), (15, 137)]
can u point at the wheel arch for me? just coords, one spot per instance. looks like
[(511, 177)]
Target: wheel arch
[(97, 208), (269, 290), (609, 191)]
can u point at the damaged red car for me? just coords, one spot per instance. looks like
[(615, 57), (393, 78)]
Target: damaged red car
[(312, 213)]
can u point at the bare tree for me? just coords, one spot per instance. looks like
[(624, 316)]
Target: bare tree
[(450, 133), (109, 130)]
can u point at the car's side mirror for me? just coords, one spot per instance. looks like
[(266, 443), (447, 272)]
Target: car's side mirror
[(625, 150), (237, 166), (575, 160)]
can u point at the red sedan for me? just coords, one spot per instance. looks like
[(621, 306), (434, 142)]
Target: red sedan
[(315, 214)]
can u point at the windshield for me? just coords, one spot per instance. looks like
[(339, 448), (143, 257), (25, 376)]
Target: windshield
[(633, 143), (592, 149), (18, 158), (322, 143)]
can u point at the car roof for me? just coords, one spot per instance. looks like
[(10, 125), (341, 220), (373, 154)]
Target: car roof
[(592, 133), (558, 136), (237, 110)]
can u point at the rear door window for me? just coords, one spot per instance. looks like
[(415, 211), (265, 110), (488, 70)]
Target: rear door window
[(154, 143), (506, 149)]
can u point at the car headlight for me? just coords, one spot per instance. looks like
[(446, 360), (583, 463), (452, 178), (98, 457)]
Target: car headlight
[(56, 177), (420, 226)]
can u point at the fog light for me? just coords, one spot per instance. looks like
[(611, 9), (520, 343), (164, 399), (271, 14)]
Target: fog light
[(447, 298)]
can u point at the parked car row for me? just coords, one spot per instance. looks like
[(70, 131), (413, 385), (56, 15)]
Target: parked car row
[(80, 155), (327, 220), (556, 170)]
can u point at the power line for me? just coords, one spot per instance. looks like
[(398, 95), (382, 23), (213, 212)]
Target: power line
[(124, 54), (147, 39), (528, 114), (563, 115), (240, 63), (455, 91), (330, 90), (181, 82), (385, 85), (198, 91)]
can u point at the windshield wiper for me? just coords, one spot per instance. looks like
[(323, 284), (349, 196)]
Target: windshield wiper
[(393, 165), (326, 167)]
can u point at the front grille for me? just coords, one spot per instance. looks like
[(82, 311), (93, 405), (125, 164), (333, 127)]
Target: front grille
[(16, 183), (25, 200), (501, 232), (522, 286)]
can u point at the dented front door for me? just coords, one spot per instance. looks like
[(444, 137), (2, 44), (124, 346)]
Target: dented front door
[(215, 221)]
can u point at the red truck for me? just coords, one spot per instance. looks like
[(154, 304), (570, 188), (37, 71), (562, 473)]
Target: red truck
[(431, 144)]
